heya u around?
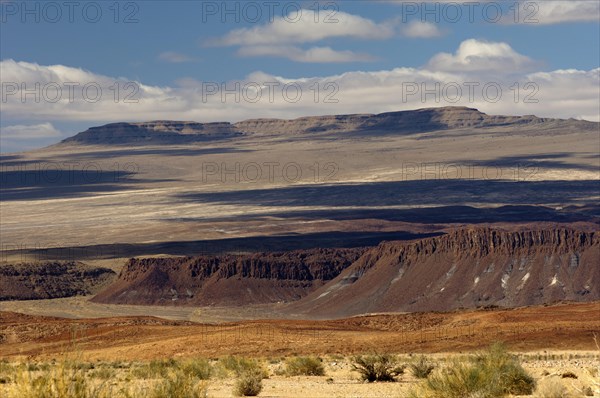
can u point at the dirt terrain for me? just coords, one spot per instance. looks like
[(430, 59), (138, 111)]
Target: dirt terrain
[(133, 190), (563, 326)]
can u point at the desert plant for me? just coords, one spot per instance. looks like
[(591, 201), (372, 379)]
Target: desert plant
[(494, 373), (304, 366), (197, 367), (178, 384), (64, 379), (240, 365), (249, 383), (421, 368), (377, 367)]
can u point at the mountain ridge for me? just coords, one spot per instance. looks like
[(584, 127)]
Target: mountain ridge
[(411, 121)]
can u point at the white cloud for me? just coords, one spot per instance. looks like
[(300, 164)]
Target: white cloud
[(174, 57), (477, 55), (313, 55), (23, 137), (419, 29), (554, 12), (27, 132), (305, 27), (560, 93)]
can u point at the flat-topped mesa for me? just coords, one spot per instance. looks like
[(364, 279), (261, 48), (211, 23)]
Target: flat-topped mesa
[(227, 279), (155, 132), (465, 268), (402, 122)]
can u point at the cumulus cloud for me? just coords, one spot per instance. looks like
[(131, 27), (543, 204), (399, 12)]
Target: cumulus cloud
[(420, 29), (174, 57), (556, 11), (27, 132), (306, 26), (22, 137), (313, 55), (531, 13), (447, 80), (477, 56)]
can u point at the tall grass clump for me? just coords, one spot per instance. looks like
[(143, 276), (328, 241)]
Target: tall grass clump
[(64, 379), (249, 383), (377, 367), (179, 384), (494, 373), (422, 367), (241, 365), (304, 366)]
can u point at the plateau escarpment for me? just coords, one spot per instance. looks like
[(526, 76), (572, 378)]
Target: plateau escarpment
[(46, 280), (403, 122), (228, 279), (465, 268)]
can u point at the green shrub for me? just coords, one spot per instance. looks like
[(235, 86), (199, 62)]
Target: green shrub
[(103, 373), (304, 366), (422, 368), (378, 367), (240, 365), (492, 374), (198, 367), (64, 379), (178, 384), (249, 383)]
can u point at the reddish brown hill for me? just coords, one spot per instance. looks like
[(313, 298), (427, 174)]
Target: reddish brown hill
[(465, 268), (227, 280), (46, 280)]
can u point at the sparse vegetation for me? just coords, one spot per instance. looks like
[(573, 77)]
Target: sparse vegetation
[(249, 383), (179, 384), (304, 366), (378, 367), (492, 374), (63, 380), (422, 368), (240, 365)]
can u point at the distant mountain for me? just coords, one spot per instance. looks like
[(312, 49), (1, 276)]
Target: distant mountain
[(403, 122)]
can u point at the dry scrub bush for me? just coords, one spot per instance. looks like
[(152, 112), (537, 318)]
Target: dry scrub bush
[(240, 365), (492, 374), (249, 383), (179, 384), (304, 366), (64, 379), (421, 368), (378, 367)]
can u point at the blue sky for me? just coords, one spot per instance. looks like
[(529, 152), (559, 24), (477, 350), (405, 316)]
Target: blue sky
[(373, 52)]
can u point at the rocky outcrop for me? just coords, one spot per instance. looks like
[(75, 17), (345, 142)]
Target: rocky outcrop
[(46, 280), (228, 279), (465, 268)]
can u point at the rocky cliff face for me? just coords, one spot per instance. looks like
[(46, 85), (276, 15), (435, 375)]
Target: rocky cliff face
[(229, 279), (46, 280), (404, 122), (465, 268)]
